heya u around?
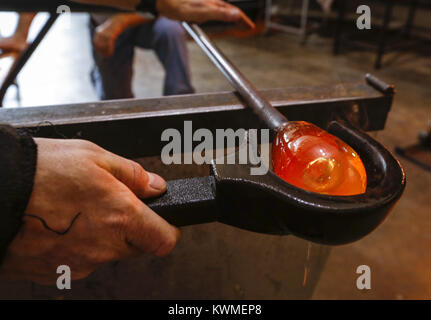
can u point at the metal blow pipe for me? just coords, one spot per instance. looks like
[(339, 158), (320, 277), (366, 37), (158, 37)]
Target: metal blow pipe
[(260, 105)]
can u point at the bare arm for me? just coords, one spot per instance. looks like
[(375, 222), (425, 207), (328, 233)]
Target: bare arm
[(122, 21), (24, 23), (107, 33)]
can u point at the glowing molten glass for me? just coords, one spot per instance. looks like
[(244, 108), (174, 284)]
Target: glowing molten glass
[(312, 159)]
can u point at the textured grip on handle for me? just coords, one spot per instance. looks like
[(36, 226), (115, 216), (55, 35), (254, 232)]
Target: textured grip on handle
[(187, 202)]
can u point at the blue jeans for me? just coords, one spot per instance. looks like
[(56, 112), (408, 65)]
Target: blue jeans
[(112, 76)]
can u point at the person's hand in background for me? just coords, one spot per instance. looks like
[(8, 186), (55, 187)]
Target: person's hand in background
[(84, 211), (202, 10), (187, 10)]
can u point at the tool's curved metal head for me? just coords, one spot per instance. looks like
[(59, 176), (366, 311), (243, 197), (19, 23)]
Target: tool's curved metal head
[(268, 204)]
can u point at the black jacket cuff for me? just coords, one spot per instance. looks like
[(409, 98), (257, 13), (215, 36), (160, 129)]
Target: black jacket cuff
[(18, 156)]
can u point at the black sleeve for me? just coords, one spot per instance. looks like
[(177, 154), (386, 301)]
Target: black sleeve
[(18, 156)]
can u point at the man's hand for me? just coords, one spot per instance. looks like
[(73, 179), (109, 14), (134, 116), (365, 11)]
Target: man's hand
[(202, 10), (84, 211)]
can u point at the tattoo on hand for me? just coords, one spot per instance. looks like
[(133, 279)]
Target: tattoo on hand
[(49, 228)]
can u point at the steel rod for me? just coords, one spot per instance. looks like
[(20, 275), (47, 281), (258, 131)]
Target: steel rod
[(261, 107)]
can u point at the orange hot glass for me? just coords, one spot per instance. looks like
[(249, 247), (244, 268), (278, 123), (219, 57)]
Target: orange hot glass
[(312, 159)]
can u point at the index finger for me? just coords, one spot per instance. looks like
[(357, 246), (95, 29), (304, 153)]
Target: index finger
[(148, 232), (242, 17), (247, 21)]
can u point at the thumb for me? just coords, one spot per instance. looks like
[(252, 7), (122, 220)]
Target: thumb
[(142, 183)]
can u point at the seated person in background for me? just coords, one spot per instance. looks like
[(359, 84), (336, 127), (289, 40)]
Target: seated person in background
[(18, 41), (114, 39)]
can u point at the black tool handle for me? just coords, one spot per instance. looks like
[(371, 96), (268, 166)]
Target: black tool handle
[(380, 85), (187, 202), (259, 104)]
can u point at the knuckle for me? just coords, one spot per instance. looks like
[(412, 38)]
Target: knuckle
[(139, 173), (132, 206), (167, 245), (119, 220), (122, 217)]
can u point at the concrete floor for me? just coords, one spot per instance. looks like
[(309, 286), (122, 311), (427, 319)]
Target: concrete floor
[(398, 252)]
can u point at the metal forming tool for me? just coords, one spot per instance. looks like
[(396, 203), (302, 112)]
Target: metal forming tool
[(268, 204), (230, 195)]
